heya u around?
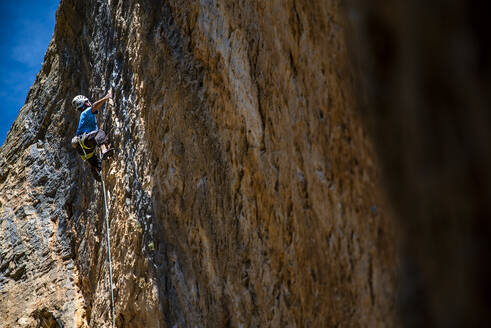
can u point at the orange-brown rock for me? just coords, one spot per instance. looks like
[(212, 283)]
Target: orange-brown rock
[(243, 192)]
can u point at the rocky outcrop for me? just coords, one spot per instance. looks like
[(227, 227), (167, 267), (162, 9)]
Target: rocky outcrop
[(243, 192)]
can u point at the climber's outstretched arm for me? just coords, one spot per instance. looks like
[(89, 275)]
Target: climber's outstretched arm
[(98, 103)]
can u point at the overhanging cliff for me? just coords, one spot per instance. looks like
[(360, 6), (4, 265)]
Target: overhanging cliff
[(243, 191)]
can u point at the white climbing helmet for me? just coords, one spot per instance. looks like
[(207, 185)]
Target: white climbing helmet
[(79, 101)]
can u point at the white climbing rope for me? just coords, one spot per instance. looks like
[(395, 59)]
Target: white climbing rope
[(108, 248)]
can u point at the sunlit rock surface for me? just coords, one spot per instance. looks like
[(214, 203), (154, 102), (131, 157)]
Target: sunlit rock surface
[(243, 191)]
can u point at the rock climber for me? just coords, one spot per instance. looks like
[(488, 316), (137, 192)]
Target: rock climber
[(88, 135)]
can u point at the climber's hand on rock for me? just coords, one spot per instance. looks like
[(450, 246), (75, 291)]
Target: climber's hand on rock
[(98, 103), (109, 94)]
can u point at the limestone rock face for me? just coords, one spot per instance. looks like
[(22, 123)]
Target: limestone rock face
[(243, 190)]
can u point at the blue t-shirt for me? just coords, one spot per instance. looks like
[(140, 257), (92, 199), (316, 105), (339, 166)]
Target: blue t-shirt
[(87, 123)]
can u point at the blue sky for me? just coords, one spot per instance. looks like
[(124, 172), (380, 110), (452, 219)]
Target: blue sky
[(26, 27)]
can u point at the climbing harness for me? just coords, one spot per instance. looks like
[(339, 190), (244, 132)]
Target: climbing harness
[(108, 248), (81, 142)]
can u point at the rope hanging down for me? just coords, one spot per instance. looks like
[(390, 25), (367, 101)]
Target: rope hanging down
[(109, 249)]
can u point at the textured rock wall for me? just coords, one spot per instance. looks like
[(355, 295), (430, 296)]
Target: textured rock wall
[(38, 270), (243, 192), (425, 68)]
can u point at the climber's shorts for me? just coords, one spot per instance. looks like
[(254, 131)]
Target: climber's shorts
[(91, 140), (95, 138)]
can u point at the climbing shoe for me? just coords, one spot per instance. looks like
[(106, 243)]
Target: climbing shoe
[(108, 153)]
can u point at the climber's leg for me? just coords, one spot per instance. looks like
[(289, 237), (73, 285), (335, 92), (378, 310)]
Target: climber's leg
[(106, 152), (96, 167), (90, 139), (101, 140), (100, 137)]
